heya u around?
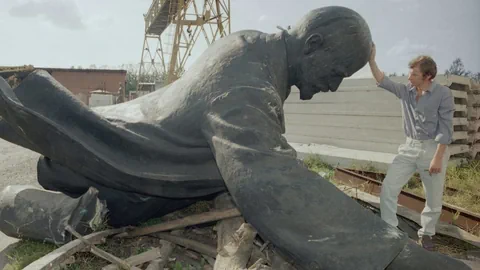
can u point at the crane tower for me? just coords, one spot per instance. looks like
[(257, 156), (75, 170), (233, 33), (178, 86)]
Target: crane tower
[(172, 28)]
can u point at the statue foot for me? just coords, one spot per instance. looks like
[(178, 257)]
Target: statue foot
[(30, 212)]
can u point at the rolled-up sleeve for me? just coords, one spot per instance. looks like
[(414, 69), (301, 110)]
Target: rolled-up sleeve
[(398, 89), (445, 119)]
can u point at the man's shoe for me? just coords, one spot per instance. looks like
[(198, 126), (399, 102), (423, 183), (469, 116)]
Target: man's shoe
[(427, 242)]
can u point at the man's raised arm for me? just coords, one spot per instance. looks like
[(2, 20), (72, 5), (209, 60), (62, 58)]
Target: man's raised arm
[(398, 89), (301, 213)]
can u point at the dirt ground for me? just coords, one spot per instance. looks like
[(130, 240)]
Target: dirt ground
[(18, 166)]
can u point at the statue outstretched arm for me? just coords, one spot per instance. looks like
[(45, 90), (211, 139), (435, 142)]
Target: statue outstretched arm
[(301, 213)]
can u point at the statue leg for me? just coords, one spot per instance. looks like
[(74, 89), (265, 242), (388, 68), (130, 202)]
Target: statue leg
[(30, 212), (124, 208)]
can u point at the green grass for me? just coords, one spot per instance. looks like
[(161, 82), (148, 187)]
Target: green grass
[(466, 179), (26, 252), (315, 164)]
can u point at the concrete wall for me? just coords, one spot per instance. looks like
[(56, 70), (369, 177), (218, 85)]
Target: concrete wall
[(362, 116)]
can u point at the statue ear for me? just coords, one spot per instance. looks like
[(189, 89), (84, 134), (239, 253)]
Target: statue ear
[(313, 42)]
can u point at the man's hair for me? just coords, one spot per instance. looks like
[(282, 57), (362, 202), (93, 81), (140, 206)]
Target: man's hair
[(426, 65)]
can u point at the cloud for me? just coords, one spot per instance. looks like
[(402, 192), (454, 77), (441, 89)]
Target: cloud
[(61, 13), (403, 1), (262, 18), (405, 5), (99, 22), (407, 48)]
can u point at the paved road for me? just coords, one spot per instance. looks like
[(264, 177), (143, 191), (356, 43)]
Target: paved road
[(18, 166)]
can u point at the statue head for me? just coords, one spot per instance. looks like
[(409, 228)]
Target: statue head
[(327, 45)]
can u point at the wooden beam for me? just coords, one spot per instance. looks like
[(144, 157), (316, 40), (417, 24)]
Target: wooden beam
[(184, 222), (56, 257)]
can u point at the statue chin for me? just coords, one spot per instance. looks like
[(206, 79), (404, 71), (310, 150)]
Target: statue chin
[(306, 96)]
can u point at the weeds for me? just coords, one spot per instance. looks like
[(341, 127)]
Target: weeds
[(465, 179), (26, 252), (315, 164)]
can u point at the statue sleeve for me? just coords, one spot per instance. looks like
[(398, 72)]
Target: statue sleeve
[(301, 213)]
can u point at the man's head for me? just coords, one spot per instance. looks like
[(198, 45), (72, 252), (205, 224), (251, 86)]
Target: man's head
[(422, 70), (327, 45)]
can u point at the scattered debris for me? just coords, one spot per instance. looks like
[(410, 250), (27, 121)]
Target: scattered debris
[(196, 237)]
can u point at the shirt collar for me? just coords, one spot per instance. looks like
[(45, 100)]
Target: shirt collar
[(430, 89)]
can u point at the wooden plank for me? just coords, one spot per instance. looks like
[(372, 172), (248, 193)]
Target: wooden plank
[(138, 259), (185, 222), (122, 264), (189, 244), (57, 256)]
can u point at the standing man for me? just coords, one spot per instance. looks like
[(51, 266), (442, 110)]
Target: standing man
[(427, 120)]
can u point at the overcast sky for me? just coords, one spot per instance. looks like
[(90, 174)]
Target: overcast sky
[(64, 33)]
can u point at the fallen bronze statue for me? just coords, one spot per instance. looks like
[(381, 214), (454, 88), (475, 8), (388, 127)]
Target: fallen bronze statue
[(217, 128)]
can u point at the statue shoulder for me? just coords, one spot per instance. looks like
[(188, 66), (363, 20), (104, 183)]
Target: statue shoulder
[(243, 37)]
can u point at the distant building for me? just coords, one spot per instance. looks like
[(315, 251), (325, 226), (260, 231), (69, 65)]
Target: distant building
[(81, 82)]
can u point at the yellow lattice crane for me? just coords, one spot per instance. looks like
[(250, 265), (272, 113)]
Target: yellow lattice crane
[(172, 28)]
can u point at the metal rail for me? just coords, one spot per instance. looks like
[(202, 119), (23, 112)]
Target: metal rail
[(449, 190), (462, 218)]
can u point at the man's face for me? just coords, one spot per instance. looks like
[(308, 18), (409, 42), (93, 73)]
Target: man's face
[(416, 77)]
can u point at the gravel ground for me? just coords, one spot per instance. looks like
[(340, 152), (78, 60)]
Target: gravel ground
[(18, 165)]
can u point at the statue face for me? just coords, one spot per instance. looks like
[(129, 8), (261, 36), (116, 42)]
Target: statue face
[(330, 54)]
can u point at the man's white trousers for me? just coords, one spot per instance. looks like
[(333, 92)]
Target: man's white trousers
[(414, 156)]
